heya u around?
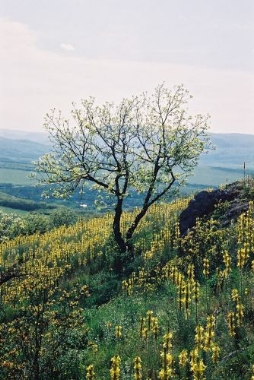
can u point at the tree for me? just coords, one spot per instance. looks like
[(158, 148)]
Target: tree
[(63, 217), (11, 225), (146, 143)]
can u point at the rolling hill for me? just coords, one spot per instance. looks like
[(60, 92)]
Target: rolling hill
[(223, 165)]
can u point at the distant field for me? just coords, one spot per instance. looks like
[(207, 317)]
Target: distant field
[(16, 182), (202, 176), (16, 177), (212, 176), (8, 210)]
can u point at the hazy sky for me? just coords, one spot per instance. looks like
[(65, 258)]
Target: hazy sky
[(54, 52)]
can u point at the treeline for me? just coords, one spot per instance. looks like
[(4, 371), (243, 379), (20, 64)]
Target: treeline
[(22, 204), (12, 225), (29, 196)]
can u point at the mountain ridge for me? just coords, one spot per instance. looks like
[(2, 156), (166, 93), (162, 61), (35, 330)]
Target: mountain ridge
[(233, 156), (230, 147)]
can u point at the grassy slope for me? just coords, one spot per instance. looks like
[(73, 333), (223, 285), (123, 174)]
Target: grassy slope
[(153, 292)]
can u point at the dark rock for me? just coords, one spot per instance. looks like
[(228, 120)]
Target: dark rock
[(236, 210), (204, 203)]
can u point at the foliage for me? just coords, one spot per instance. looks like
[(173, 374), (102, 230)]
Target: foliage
[(12, 225), (185, 311), (149, 144), (21, 204), (41, 330)]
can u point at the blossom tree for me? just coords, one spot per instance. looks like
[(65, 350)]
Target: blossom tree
[(149, 144)]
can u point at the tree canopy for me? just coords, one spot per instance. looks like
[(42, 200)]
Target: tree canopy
[(147, 143)]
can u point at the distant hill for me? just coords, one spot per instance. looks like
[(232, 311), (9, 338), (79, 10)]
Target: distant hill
[(40, 137), (224, 164), (24, 150), (232, 150)]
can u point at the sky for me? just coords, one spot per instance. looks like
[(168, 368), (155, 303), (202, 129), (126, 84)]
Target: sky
[(55, 52)]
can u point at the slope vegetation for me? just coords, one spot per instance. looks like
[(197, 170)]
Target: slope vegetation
[(183, 310)]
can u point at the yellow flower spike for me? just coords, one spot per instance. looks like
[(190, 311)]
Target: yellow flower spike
[(95, 348), (187, 298), (167, 365), (231, 323), (90, 374), (174, 274), (181, 292), (190, 272), (166, 374), (169, 359), (167, 341), (199, 336), (195, 290), (124, 285), (137, 368), (155, 327), (115, 368), (194, 355), (206, 267), (242, 256), (154, 321), (208, 336), (198, 369), (118, 332), (215, 353), (211, 320), (239, 313), (235, 295), (227, 261), (145, 333), (183, 358)]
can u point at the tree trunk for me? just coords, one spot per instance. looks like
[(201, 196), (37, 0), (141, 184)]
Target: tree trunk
[(117, 226), (134, 225)]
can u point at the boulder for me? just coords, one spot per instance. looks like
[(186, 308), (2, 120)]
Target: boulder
[(204, 203)]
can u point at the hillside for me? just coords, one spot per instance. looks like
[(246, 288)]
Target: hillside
[(225, 164), (12, 150), (232, 150), (39, 137), (182, 308), (18, 149)]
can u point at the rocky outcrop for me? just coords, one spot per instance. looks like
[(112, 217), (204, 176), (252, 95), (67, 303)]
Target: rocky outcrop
[(204, 203)]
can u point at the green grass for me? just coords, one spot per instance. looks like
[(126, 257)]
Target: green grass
[(16, 203), (212, 176), (154, 291), (8, 210), (16, 177), (207, 176)]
